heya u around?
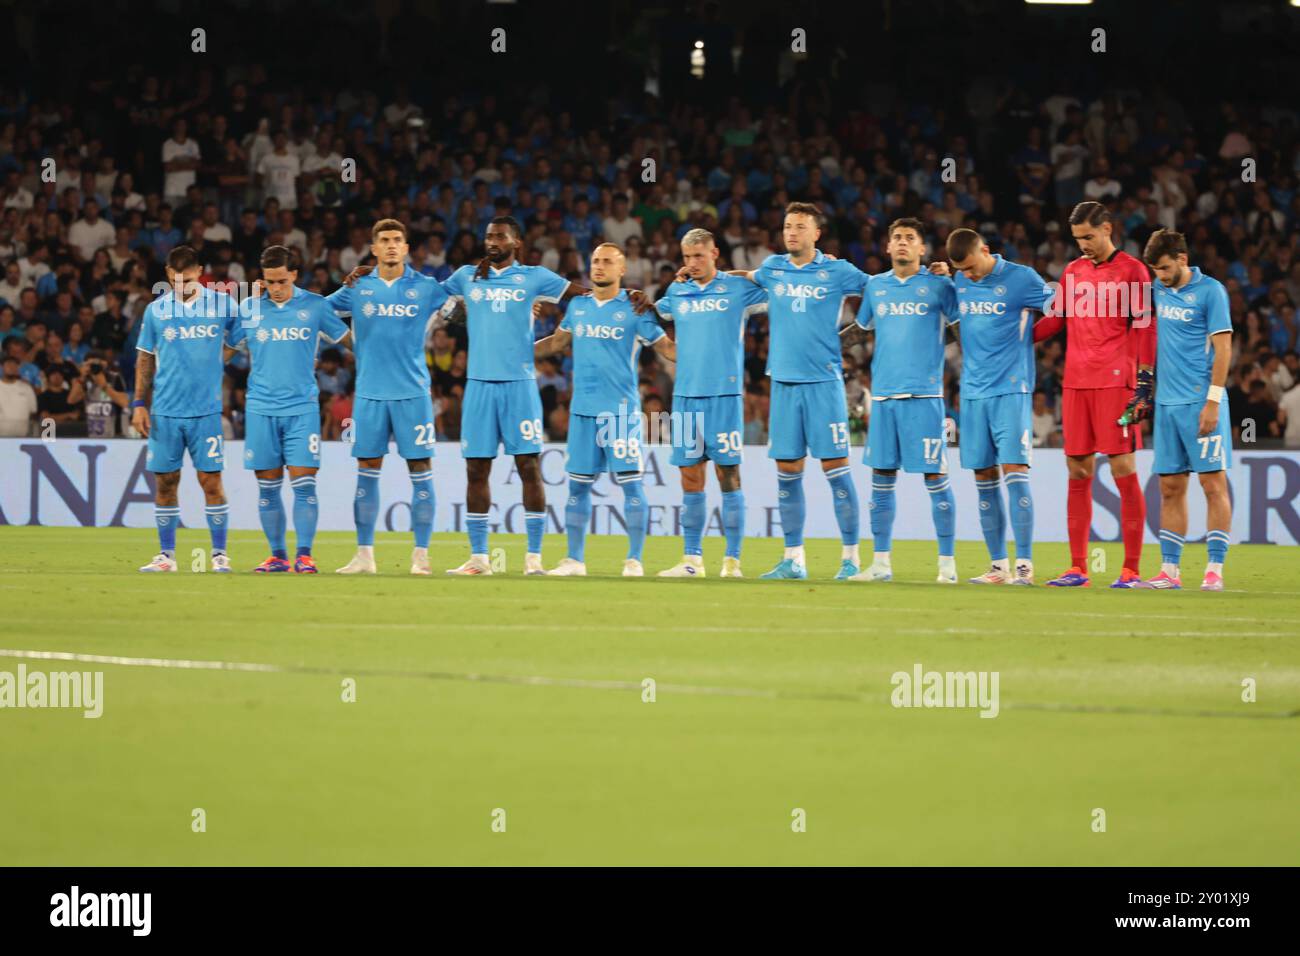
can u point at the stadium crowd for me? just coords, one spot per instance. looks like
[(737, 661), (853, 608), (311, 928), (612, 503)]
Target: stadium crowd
[(87, 220)]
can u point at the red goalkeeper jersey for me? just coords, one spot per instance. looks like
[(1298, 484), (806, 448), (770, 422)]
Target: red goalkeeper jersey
[(1109, 326)]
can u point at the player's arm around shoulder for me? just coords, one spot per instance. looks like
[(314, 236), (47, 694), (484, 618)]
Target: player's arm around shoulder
[(558, 341)]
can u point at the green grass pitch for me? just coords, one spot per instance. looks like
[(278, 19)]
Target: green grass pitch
[(525, 695)]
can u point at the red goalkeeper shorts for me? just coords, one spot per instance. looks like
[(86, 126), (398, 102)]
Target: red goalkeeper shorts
[(1088, 417)]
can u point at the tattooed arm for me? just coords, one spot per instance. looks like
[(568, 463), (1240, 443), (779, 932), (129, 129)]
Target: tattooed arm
[(146, 364)]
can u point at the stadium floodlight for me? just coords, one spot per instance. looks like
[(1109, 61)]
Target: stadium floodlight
[(697, 60)]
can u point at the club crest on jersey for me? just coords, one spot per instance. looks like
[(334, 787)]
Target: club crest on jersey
[(1000, 290), (721, 288), (412, 294), (823, 274), (922, 290), (517, 277), (303, 315), (620, 316), (1190, 298), (367, 291)]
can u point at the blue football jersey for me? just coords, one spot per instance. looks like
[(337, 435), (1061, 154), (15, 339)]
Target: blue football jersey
[(803, 314), (710, 324), (500, 310), (1187, 319), (607, 340), (997, 329), (909, 317), (186, 339), (390, 322), (282, 340)]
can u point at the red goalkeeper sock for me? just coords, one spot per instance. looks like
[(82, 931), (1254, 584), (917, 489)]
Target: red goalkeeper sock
[(1133, 518), (1078, 518)]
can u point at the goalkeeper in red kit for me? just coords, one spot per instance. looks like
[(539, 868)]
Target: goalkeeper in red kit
[(1104, 303)]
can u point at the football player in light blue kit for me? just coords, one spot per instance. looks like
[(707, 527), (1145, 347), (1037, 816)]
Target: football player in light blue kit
[(502, 406), (177, 402), (806, 292), (392, 309), (709, 312), (1193, 428), (605, 428), (281, 329), (996, 301), (909, 308)]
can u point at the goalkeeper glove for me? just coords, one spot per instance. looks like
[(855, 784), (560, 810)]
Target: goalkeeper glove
[(1143, 397)]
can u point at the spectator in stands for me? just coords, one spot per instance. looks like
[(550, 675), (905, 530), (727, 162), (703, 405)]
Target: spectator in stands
[(18, 401)]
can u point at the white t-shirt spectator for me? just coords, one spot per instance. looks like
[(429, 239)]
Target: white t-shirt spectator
[(296, 238), (87, 238), (280, 177), (177, 181), (217, 232), (1044, 428), (1291, 405), (621, 232), (1069, 160), (316, 162), (1097, 191), (17, 406), (10, 293), (21, 198)]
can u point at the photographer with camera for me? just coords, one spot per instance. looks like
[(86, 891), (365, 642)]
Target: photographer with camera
[(106, 396)]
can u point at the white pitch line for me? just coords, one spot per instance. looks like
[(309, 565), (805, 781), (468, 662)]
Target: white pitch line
[(589, 684)]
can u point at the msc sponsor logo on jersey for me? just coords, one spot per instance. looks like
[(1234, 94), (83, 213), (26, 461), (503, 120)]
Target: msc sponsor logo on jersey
[(687, 306), (795, 290), (1175, 312), (183, 332), (983, 308), (585, 330), (283, 335), (396, 310), (479, 294), (902, 308)]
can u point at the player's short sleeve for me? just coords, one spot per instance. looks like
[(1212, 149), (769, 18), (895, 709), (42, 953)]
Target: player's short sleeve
[(437, 293), (455, 284), (148, 340), (566, 322), (763, 274), (1218, 318), (852, 280), (648, 330), (664, 306), (866, 316), (340, 300), (948, 301), (229, 310), (331, 326), (1036, 292), (237, 333), (547, 286)]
